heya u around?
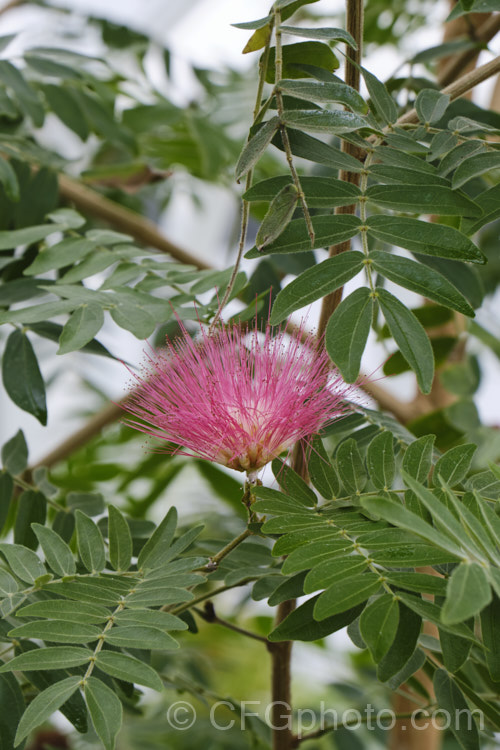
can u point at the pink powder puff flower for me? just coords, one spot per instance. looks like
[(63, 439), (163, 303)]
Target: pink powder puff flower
[(236, 397)]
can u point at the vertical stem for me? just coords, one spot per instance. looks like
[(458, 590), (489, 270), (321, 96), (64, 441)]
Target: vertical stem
[(281, 696), (354, 25)]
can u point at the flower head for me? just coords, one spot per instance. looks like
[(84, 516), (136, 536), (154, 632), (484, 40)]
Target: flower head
[(235, 397)]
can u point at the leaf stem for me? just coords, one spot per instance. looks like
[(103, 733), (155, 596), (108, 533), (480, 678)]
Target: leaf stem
[(284, 133)]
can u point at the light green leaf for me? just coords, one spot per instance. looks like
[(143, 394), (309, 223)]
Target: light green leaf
[(421, 279), (140, 636), (56, 631), (8, 179), (27, 236), (315, 283), (380, 460), (334, 122), (347, 332), (468, 593), (323, 475), (90, 543), (105, 710), (64, 253), (278, 215), (324, 34), (81, 327), (23, 562), (383, 103), (256, 146), (410, 337), (378, 625), (396, 514), (120, 540), (12, 702), (321, 91), (454, 465), (151, 555), (424, 237), (44, 705), (344, 595), (431, 105), (57, 553), (65, 610), (328, 572), (22, 377), (129, 669), (475, 166)]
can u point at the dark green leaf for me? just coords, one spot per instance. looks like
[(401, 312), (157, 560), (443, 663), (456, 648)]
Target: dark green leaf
[(81, 327), (22, 378), (451, 699), (31, 508), (140, 636), (421, 279), (301, 626), (65, 610), (323, 475), (403, 646), (298, 54), (56, 631), (424, 238), (410, 337), (422, 199), (347, 332), (8, 179), (316, 282), (378, 625), (25, 95), (417, 460), (12, 702), (120, 540), (322, 153), (293, 484), (6, 492), (15, 454), (129, 669), (156, 547), (490, 618), (455, 650)]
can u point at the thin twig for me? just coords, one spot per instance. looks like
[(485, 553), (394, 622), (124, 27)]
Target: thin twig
[(354, 722), (204, 597), (284, 133), (457, 63), (209, 615), (245, 209), (215, 560), (140, 228)]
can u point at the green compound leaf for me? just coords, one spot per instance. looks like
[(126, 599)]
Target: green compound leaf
[(22, 377)]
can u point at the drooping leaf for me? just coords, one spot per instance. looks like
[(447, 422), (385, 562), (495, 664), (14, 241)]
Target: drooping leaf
[(44, 705), (22, 377), (378, 625), (347, 332), (105, 710)]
